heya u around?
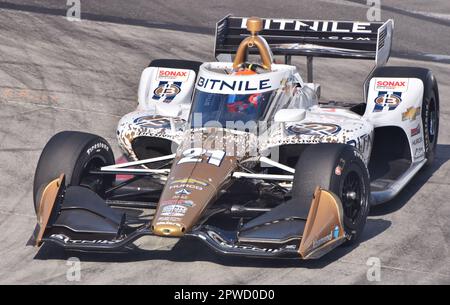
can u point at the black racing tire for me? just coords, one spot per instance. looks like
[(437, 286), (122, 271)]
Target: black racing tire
[(340, 169), (430, 120), (74, 154), (176, 64)]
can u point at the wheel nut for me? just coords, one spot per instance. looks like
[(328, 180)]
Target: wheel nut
[(351, 195)]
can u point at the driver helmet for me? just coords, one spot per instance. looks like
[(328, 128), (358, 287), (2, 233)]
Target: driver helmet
[(237, 103)]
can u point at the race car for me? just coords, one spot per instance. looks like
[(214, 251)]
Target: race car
[(240, 154)]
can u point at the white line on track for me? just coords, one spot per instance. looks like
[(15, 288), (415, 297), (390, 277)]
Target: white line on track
[(393, 268), (16, 214), (63, 108)]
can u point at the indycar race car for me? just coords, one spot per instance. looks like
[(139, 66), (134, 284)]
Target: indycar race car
[(240, 154)]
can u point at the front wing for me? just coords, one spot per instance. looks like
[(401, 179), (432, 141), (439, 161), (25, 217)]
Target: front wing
[(76, 218)]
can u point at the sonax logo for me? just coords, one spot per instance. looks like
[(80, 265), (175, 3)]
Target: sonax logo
[(397, 85), (172, 74)]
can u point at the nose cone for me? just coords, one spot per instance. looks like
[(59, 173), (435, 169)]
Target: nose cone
[(189, 190), (174, 230), (196, 178)]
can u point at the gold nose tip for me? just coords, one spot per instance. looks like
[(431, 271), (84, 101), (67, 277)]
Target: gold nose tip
[(254, 25), (168, 230)]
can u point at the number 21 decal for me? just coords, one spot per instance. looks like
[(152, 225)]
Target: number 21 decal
[(194, 155)]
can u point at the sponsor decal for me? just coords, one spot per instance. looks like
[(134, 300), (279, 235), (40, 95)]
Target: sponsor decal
[(180, 197), (315, 26), (411, 113), (361, 143), (336, 232), (419, 153), (97, 147), (393, 85), (67, 240), (183, 192), (314, 129), (217, 238), (188, 186), (415, 131), (417, 141), (172, 75), (190, 181), (161, 223), (340, 167), (237, 86), (195, 155), (387, 101), (323, 240), (152, 121), (170, 219), (358, 154), (185, 203), (167, 91), (174, 210)]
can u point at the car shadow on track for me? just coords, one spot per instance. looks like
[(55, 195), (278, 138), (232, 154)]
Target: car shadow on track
[(442, 156), (191, 250)]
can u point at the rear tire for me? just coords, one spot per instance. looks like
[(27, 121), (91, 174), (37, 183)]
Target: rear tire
[(74, 154), (430, 121), (176, 64), (337, 168)]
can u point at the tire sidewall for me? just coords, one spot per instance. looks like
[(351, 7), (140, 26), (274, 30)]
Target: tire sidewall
[(327, 166), (430, 148), (97, 149), (69, 153), (353, 163)]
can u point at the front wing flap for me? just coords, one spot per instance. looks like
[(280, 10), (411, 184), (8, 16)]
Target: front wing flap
[(50, 195)]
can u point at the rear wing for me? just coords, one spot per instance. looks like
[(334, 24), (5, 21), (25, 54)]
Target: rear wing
[(311, 38)]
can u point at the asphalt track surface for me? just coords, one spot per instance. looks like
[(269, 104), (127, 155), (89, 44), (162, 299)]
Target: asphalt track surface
[(421, 26), (58, 75)]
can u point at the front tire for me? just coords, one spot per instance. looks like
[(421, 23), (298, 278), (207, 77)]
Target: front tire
[(75, 154), (340, 169)]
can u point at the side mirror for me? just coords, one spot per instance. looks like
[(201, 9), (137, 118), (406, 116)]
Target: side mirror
[(168, 110), (290, 115)]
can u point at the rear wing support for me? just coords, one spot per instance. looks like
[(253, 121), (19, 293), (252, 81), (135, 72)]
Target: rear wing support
[(309, 66), (311, 38)]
